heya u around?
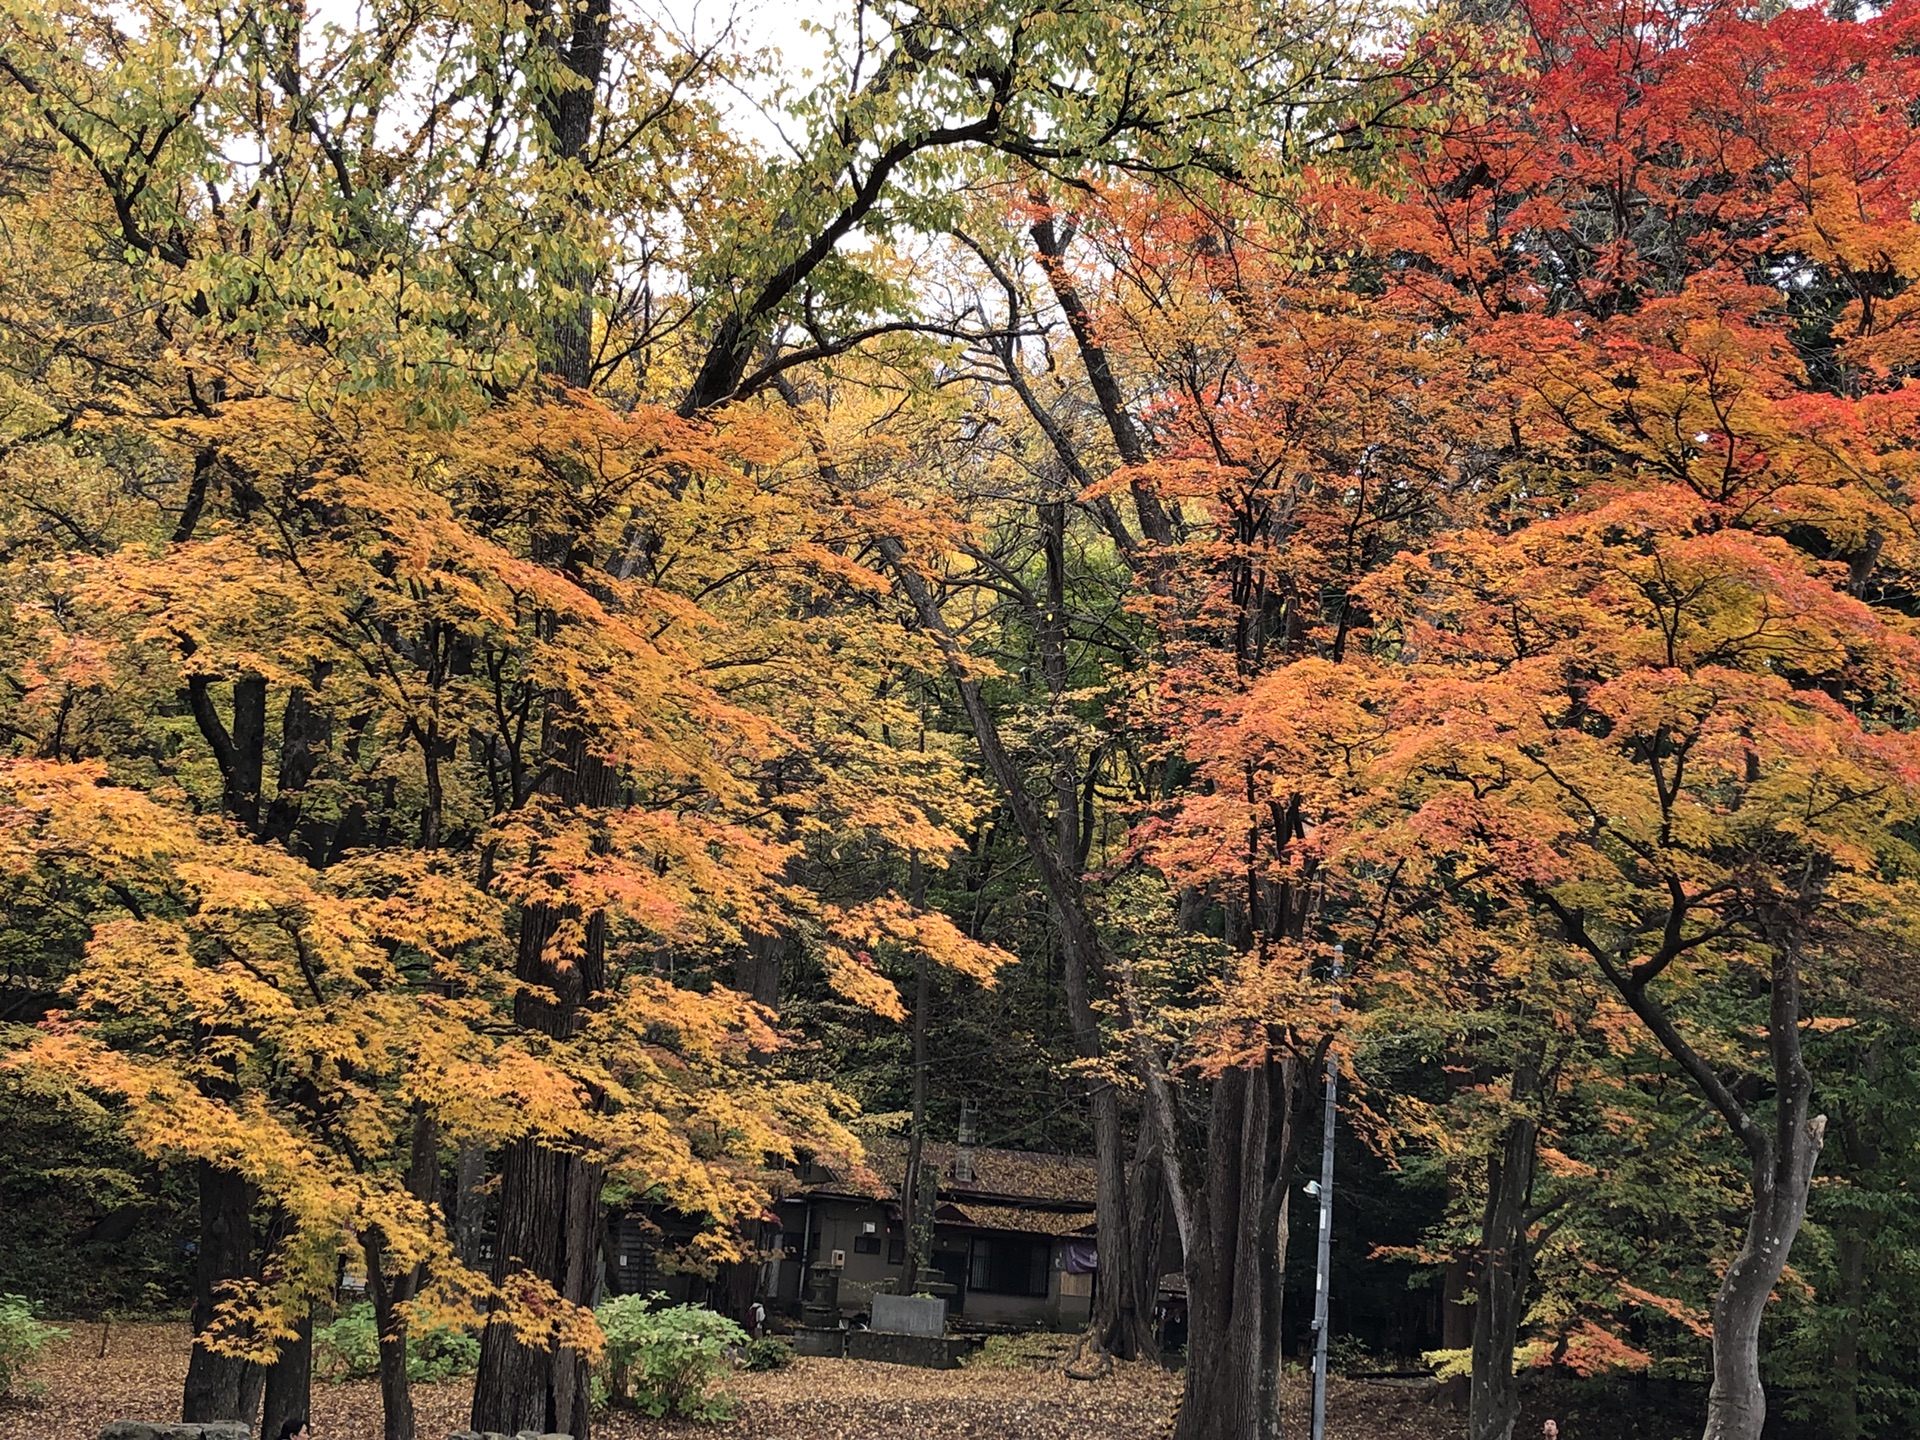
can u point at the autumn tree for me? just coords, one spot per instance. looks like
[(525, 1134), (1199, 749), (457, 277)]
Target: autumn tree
[(1680, 756), (422, 610), (1297, 71)]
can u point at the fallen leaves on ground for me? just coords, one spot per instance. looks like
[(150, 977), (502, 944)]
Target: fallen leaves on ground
[(140, 1374)]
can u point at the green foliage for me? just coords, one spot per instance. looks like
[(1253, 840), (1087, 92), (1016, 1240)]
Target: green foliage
[(348, 1348), (87, 1226), (667, 1362), (1035, 1351), (21, 1338), (1838, 1348), (1350, 1355), (769, 1352)]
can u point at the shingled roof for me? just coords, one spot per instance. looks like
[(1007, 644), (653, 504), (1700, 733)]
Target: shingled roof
[(1021, 1177), (1023, 1219)]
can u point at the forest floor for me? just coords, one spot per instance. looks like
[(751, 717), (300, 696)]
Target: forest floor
[(139, 1377)]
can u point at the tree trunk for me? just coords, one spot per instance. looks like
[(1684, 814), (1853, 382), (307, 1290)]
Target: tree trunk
[(289, 1387), (396, 1391), (390, 1292), (249, 749), (916, 1198), (1737, 1405), (1121, 1324), (305, 733), (550, 1215), (1456, 1327), (1504, 1269), (1146, 1209), (734, 1284), (469, 1203), (1854, 1234), (546, 1195), (1783, 1165), (1236, 1258), (219, 1387), (550, 1226), (289, 1380), (756, 971), (1274, 1233)]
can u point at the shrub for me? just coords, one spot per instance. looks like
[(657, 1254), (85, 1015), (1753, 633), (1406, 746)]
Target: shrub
[(21, 1338), (1033, 1350), (667, 1362), (769, 1352), (440, 1352), (348, 1348)]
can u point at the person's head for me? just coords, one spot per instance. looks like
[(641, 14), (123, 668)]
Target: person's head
[(296, 1428), (1551, 1430)]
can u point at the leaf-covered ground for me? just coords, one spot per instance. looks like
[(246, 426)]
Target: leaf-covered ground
[(139, 1377)]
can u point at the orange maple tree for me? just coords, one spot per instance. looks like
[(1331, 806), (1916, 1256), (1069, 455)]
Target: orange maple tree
[(1644, 685)]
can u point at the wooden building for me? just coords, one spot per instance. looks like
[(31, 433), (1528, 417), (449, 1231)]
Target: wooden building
[(1013, 1233)]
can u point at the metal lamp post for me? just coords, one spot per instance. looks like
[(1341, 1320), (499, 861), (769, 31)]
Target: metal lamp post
[(1326, 1224)]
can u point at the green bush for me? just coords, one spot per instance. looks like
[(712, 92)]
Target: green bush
[(1033, 1350), (667, 1362), (348, 1348), (21, 1338), (769, 1352)]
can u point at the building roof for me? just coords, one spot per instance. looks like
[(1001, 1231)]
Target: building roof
[(1026, 1220), (1022, 1178)]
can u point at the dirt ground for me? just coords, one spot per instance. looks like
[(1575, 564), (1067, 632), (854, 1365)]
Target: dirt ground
[(139, 1377)]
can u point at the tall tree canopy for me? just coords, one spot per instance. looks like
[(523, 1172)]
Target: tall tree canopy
[(528, 614)]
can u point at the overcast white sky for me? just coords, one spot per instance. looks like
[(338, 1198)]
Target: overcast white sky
[(772, 24), (757, 24)]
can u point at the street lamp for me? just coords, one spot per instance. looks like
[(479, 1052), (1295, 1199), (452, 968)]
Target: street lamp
[(1325, 1191)]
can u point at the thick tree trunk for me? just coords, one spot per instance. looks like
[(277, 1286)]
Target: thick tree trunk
[(1274, 1233), (734, 1282), (289, 1387), (219, 1387), (1146, 1210), (1503, 1272), (756, 972), (306, 731), (289, 1379), (545, 1197), (1737, 1405), (550, 1222), (550, 1214), (1122, 1320), (1236, 1257)]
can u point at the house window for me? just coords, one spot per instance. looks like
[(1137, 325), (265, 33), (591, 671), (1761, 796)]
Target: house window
[(1008, 1266), (896, 1250), (866, 1244)]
